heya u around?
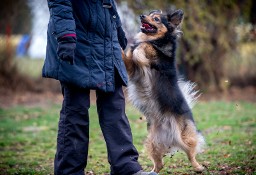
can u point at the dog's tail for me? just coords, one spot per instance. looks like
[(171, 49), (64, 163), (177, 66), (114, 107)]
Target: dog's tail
[(188, 90), (191, 95)]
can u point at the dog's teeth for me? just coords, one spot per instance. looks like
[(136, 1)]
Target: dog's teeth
[(147, 26)]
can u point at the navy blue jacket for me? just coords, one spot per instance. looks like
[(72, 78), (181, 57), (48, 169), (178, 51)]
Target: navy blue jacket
[(98, 50)]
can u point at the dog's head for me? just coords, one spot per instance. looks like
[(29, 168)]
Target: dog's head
[(157, 25)]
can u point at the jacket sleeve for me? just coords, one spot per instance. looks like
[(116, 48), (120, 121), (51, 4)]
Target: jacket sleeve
[(61, 14)]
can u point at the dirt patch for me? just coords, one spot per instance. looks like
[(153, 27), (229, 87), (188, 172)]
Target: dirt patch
[(29, 99), (233, 94), (34, 93), (44, 93), (49, 93)]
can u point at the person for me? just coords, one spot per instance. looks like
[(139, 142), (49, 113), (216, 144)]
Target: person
[(84, 41)]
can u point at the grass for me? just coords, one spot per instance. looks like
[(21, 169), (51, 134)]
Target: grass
[(28, 140)]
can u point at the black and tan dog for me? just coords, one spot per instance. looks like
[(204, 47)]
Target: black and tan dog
[(154, 88)]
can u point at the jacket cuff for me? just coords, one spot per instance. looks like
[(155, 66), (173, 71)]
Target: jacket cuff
[(69, 35), (68, 38)]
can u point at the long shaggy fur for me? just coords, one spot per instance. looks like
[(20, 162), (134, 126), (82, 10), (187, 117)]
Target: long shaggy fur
[(155, 89)]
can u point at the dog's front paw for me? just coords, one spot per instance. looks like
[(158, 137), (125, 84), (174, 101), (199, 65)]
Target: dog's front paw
[(199, 169), (157, 168)]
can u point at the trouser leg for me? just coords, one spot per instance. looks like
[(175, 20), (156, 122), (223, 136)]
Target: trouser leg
[(73, 132), (115, 126)]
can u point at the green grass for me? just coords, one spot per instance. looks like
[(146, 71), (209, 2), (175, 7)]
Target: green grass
[(28, 140)]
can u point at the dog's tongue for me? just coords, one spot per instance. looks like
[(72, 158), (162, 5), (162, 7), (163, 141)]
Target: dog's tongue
[(146, 26)]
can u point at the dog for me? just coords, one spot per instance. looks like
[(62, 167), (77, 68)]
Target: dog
[(156, 91)]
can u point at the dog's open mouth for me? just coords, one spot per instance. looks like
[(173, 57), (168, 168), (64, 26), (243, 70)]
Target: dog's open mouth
[(147, 28)]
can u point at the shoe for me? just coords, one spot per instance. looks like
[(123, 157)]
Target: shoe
[(145, 173)]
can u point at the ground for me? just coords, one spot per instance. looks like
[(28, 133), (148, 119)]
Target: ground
[(28, 125)]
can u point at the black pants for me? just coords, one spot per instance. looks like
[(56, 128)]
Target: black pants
[(73, 133)]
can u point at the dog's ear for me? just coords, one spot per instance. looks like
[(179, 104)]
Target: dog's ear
[(175, 18)]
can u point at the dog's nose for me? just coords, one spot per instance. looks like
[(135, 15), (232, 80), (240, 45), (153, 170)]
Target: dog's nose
[(142, 16)]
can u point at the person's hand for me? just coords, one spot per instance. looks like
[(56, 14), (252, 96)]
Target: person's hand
[(121, 38), (66, 49)]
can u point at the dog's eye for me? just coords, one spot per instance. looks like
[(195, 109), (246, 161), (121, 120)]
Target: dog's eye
[(156, 19)]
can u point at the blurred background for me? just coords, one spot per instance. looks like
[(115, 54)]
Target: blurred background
[(217, 49)]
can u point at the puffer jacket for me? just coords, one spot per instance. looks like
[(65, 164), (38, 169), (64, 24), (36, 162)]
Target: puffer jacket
[(98, 52)]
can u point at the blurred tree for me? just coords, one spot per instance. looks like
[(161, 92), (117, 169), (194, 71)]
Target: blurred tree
[(209, 35), (253, 12), (15, 16)]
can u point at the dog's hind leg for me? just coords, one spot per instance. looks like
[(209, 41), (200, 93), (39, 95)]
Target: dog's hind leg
[(190, 141), (155, 153)]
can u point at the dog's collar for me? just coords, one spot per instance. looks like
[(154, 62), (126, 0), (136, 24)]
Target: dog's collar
[(163, 70), (166, 49)]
